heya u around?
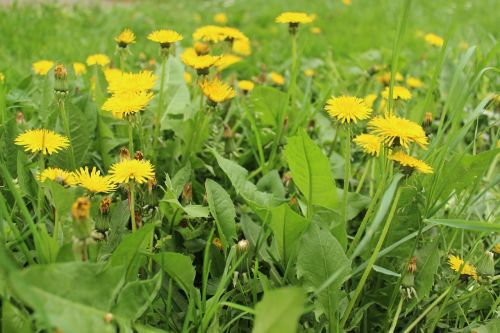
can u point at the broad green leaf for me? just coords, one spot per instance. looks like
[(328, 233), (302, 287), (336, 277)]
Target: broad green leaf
[(179, 267), (427, 265), (268, 102), (136, 296), (222, 210), (287, 227), (320, 257), (73, 297), (272, 183), (311, 171), (279, 310), (467, 225)]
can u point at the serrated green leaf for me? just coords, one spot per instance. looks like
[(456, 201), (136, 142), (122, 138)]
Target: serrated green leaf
[(222, 209)]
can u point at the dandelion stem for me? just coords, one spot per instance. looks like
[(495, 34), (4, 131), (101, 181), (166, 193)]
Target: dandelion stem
[(131, 204), (64, 116), (372, 259), (56, 226), (130, 137), (159, 110), (41, 166), (347, 173), (363, 176), (396, 316)]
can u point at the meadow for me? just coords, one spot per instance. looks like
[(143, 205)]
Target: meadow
[(250, 166)]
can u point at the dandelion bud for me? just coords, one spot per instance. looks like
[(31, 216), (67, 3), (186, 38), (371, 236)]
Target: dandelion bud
[(108, 317), (217, 243), (428, 119), (293, 201), (124, 154), (486, 265), (151, 184), (138, 218), (80, 208), (201, 48), (60, 72), (20, 118), (287, 178), (243, 246), (60, 75), (105, 205), (412, 266), (228, 133), (139, 155), (187, 192)]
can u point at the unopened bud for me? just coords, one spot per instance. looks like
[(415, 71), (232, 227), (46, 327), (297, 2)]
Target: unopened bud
[(243, 246), (124, 154), (412, 266), (217, 243), (108, 317), (60, 75), (80, 208), (287, 178), (187, 192), (428, 118), (228, 132), (20, 118), (151, 184), (105, 205), (139, 155), (201, 48)]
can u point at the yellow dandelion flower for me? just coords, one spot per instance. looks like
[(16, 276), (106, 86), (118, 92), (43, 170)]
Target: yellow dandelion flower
[(2, 77), (220, 18), (369, 143), (398, 131), (410, 162), (413, 82), (43, 140), (42, 67), (188, 78), (242, 47), (165, 37), (216, 90), (370, 100), (316, 30), (201, 48), (227, 60), (98, 59), (125, 104), (385, 78), (232, 34), (347, 2), (399, 92), (58, 175), (496, 248), (458, 265), (79, 68), (434, 40), (347, 108), (112, 74), (139, 171), (294, 18), (93, 181), (209, 33), (277, 78), (125, 38), (246, 85), (309, 72), (126, 83), (200, 63)]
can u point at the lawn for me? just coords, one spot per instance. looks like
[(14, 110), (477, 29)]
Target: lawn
[(249, 166)]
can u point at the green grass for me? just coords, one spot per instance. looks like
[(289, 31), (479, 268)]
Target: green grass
[(250, 225)]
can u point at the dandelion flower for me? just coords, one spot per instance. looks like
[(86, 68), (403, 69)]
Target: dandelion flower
[(165, 37), (93, 181), (410, 162), (227, 60), (58, 175), (220, 18), (294, 18), (210, 33), (79, 68), (200, 63), (125, 104), (231, 34), (127, 83), (216, 90), (370, 100), (458, 265), (246, 86), (188, 78), (43, 140), (139, 171), (98, 59), (42, 67), (125, 38), (385, 78), (399, 92), (2, 77), (112, 74), (496, 248), (369, 143), (242, 47), (413, 82), (398, 131), (309, 72), (347, 108), (316, 30), (347, 2), (277, 78), (434, 40), (201, 48)]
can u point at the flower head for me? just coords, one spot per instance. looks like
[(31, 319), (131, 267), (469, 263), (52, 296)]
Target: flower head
[(80, 209), (246, 85), (2, 77), (125, 104), (398, 131), (165, 37), (242, 47), (125, 38), (385, 78), (370, 100), (216, 90), (93, 181), (411, 163), (58, 175), (209, 33), (316, 30), (347, 108), (98, 59), (220, 18), (369, 142), (413, 82), (309, 72), (294, 17), (434, 40), (132, 170), (399, 92), (277, 78), (79, 68), (42, 67), (126, 83), (188, 78), (227, 60), (458, 265), (200, 63), (43, 140)]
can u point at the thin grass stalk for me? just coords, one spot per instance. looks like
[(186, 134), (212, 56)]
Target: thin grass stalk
[(132, 205), (159, 110), (347, 173)]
